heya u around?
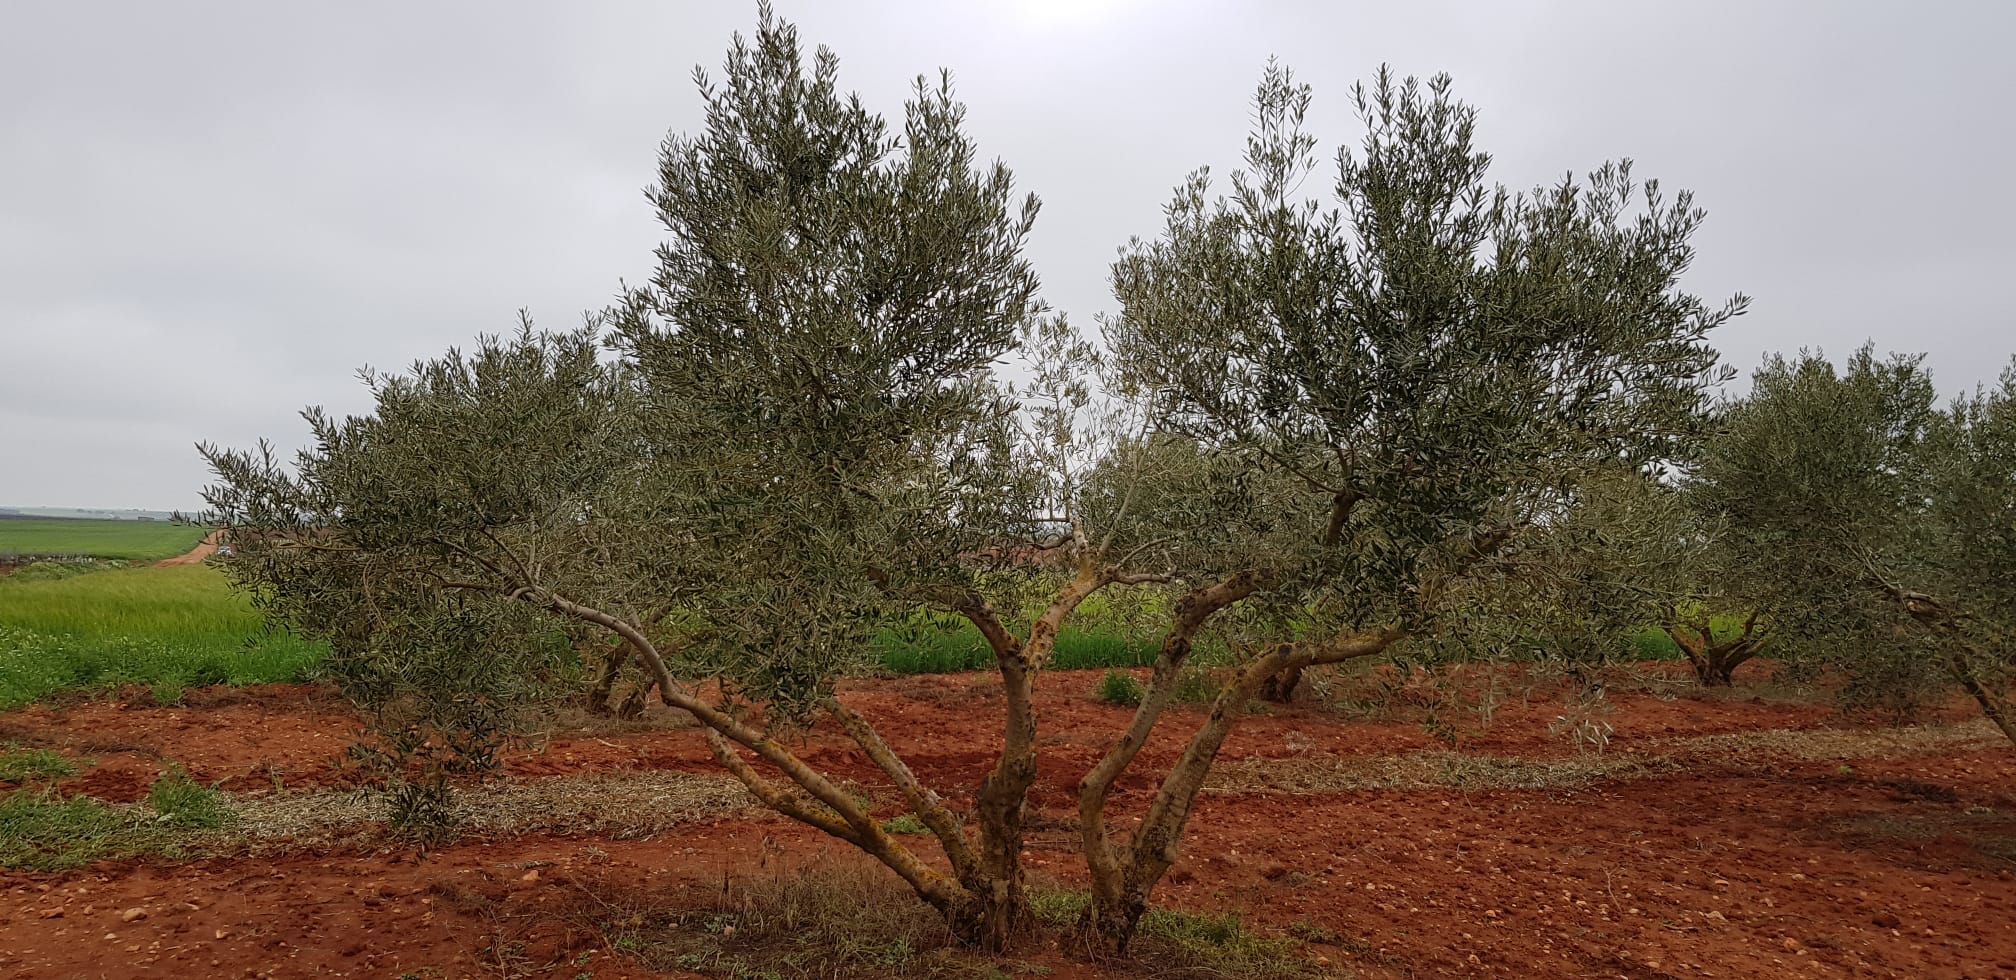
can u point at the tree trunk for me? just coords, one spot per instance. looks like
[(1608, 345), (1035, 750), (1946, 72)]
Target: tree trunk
[(990, 917), (1712, 672), (985, 916), (1114, 918), (1280, 688), (1714, 663), (1120, 895), (999, 805), (1993, 705), (634, 703), (612, 665), (1113, 914)]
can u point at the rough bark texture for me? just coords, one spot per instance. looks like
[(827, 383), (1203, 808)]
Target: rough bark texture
[(1714, 661), (1943, 622), (1993, 704), (999, 803), (1280, 688), (1119, 886), (975, 917), (612, 666), (1119, 900)]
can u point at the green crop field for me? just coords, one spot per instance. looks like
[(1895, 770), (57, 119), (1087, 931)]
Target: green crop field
[(167, 627), (67, 537)]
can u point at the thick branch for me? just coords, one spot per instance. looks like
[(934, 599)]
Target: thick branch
[(1340, 512), (1993, 704), (923, 802), (1192, 612), (981, 614), (1005, 790), (855, 824), (1154, 845)]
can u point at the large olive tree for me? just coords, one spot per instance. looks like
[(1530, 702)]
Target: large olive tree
[(1329, 417), (801, 442), (1399, 383)]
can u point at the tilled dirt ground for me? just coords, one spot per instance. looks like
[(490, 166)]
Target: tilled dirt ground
[(1717, 835)]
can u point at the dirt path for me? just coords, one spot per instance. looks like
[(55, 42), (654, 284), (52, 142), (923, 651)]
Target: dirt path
[(1774, 846), (204, 549)]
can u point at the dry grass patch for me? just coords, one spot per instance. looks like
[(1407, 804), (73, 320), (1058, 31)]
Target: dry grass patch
[(840, 916), (833, 918), (1830, 744), (1462, 771), (1979, 837), (630, 804), (1425, 771)]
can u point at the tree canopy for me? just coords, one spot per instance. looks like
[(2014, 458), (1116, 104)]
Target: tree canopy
[(1319, 431)]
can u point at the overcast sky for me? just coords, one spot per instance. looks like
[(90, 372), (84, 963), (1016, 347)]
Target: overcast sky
[(212, 215)]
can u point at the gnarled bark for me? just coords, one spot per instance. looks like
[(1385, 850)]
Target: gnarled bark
[(1120, 896), (1994, 705), (1945, 623), (605, 682), (1714, 661), (1280, 688), (974, 916), (1000, 801), (1119, 885)]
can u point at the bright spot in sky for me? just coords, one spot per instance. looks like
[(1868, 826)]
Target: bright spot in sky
[(1063, 13)]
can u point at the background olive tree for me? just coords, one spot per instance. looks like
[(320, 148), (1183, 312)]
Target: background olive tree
[(1967, 568), (1870, 526), (1817, 475), (1628, 552)]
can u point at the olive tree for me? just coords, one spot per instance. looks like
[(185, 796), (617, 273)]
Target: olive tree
[(1401, 381), (801, 441), (1967, 560), (1628, 551), (1817, 476), (394, 536), (1870, 525)]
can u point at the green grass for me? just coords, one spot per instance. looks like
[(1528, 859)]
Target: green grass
[(179, 801), (962, 650), (167, 627), (41, 831), (1652, 643), (64, 537), (1186, 942), (905, 824), (1118, 689), (33, 765)]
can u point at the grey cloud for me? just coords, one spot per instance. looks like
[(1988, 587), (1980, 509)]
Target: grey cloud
[(212, 214)]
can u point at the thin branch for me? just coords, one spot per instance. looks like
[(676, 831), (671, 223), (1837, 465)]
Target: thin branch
[(1139, 578)]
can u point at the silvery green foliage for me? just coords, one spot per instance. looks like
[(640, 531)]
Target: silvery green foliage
[(1429, 361), (800, 440), (816, 348), (1821, 479), (1966, 551), (1623, 554), (396, 536)]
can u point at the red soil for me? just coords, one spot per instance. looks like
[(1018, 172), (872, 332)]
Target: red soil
[(1895, 867)]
